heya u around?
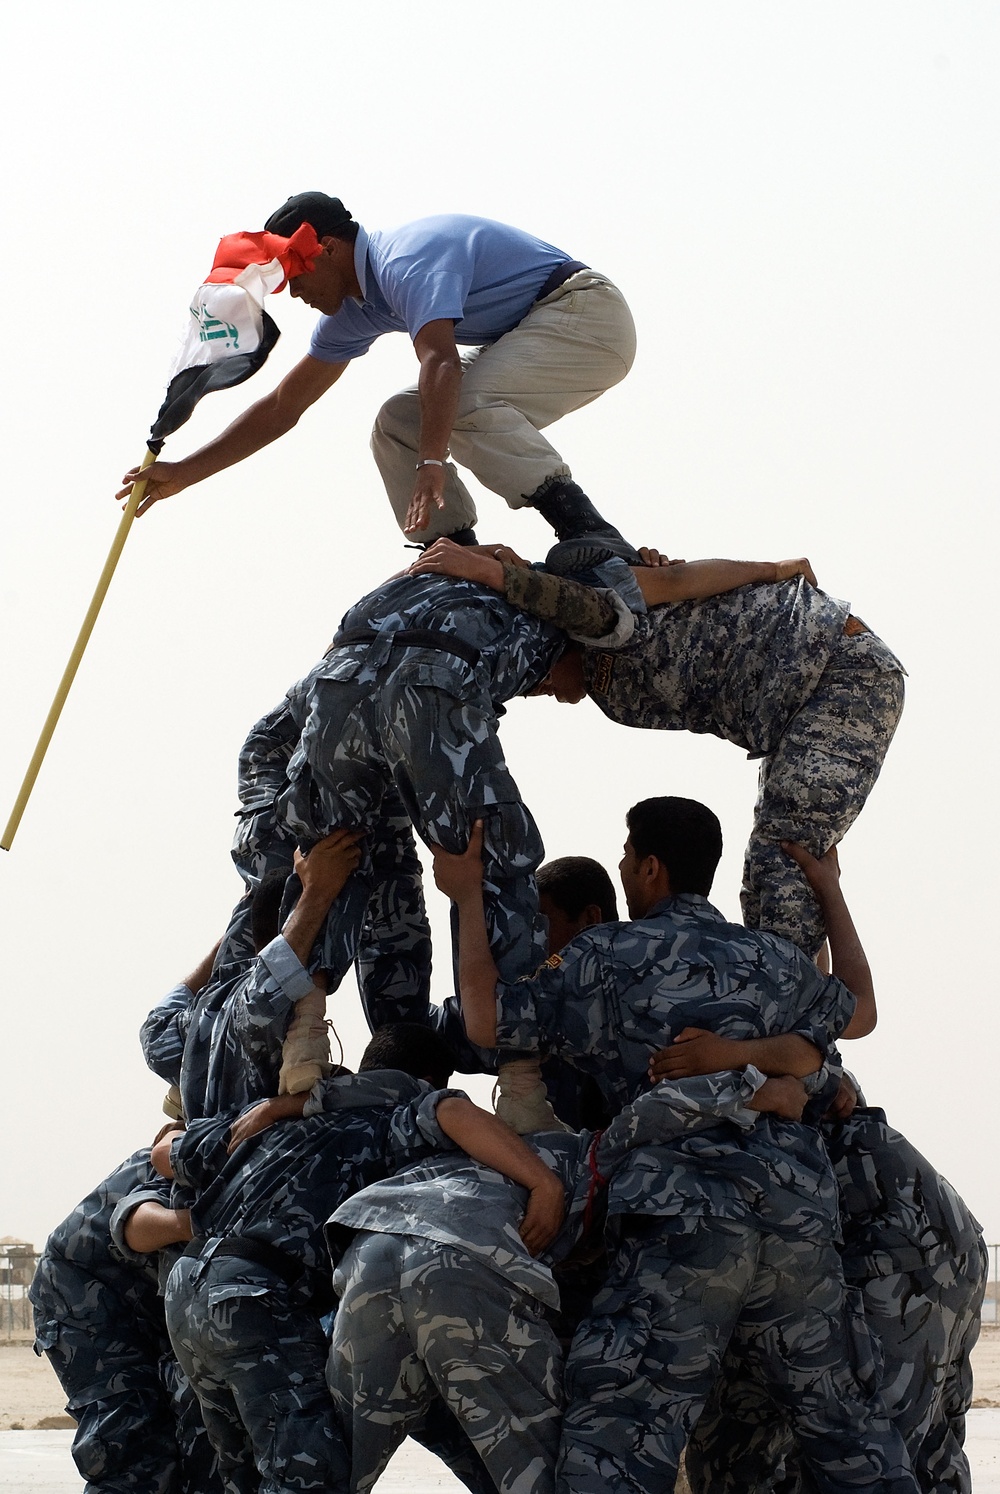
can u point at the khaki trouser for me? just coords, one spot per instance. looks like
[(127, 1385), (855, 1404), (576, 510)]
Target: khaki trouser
[(568, 349)]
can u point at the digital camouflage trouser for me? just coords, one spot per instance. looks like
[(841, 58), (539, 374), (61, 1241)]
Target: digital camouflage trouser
[(257, 1363), (812, 788), (418, 1318), (643, 1364), (927, 1321)]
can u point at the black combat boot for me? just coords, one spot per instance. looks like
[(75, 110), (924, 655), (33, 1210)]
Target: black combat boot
[(567, 508), (462, 537)]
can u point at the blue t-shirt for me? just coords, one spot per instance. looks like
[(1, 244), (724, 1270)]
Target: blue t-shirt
[(483, 276)]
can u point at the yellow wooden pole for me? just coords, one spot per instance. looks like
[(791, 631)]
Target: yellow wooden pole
[(69, 673)]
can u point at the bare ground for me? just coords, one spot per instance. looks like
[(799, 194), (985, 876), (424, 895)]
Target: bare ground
[(31, 1398)]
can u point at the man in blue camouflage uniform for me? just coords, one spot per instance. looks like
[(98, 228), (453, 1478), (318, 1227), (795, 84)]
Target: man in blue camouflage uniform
[(394, 956), (719, 1236), (916, 1256), (243, 1301), (99, 1319), (218, 1035), (407, 697), (748, 651), (406, 700), (440, 1292)]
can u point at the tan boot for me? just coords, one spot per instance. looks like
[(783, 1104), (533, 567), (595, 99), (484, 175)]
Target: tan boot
[(305, 1053), (172, 1104), (521, 1101)]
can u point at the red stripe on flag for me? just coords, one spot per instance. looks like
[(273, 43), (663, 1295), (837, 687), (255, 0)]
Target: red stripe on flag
[(236, 251)]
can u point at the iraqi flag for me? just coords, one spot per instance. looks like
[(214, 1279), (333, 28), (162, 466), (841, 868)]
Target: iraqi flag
[(229, 334)]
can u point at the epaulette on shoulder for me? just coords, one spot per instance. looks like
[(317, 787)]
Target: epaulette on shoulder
[(602, 671)]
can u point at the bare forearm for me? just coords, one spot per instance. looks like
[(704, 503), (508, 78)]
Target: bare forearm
[(693, 580), (305, 921), (264, 422), (152, 1226), (477, 972), (850, 964), (439, 386), (785, 1054), (487, 1140)]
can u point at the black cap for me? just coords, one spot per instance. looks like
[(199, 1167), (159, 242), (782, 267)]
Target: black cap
[(326, 214)]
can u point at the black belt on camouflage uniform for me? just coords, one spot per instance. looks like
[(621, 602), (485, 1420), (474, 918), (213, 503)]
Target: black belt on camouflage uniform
[(257, 1251), (445, 643)]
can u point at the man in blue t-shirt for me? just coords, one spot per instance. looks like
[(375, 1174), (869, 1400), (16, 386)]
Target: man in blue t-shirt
[(544, 334)]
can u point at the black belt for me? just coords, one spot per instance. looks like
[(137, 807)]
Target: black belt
[(559, 276), (257, 1251), (445, 643)]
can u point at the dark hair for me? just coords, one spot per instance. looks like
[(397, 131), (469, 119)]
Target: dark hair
[(328, 216), (411, 1047), (574, 882), (265, 909), (683, 834)]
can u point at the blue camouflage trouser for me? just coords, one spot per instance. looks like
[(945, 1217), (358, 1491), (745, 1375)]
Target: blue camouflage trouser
[(394, 957), (257, 1363), (419, 1318), (442, 756), (812, 788), (136, 1431), (643, 1364), (927, 1321)]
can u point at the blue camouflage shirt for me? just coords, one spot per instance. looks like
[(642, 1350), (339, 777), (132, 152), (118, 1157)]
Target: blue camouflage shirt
[(462, 1203), (620, 991), (223, 1046), (281, 1186), (898, 1213)]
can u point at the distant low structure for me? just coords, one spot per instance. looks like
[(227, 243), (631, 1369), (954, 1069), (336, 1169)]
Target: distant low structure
[(18, 1259)]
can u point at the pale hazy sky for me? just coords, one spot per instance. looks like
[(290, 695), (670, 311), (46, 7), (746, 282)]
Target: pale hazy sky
[(800, 202)]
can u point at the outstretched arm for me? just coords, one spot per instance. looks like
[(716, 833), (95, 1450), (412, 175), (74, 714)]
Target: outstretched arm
[(848, 960), (586, 611), (487, 1140), (258, 426), (693, 580)]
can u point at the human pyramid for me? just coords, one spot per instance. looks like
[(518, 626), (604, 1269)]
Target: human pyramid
[(683, 1227)]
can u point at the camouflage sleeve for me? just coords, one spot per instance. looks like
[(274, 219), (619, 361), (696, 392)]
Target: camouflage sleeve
[(825, 1006), (199, 1153), (580, 610), (264, 1006), (675, 1106), (161, 1036), (414, 1129), (156, 1190), (563, 1007)]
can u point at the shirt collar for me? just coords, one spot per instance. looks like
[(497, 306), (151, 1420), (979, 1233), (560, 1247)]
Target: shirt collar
[(685, 902), (361, 260)]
